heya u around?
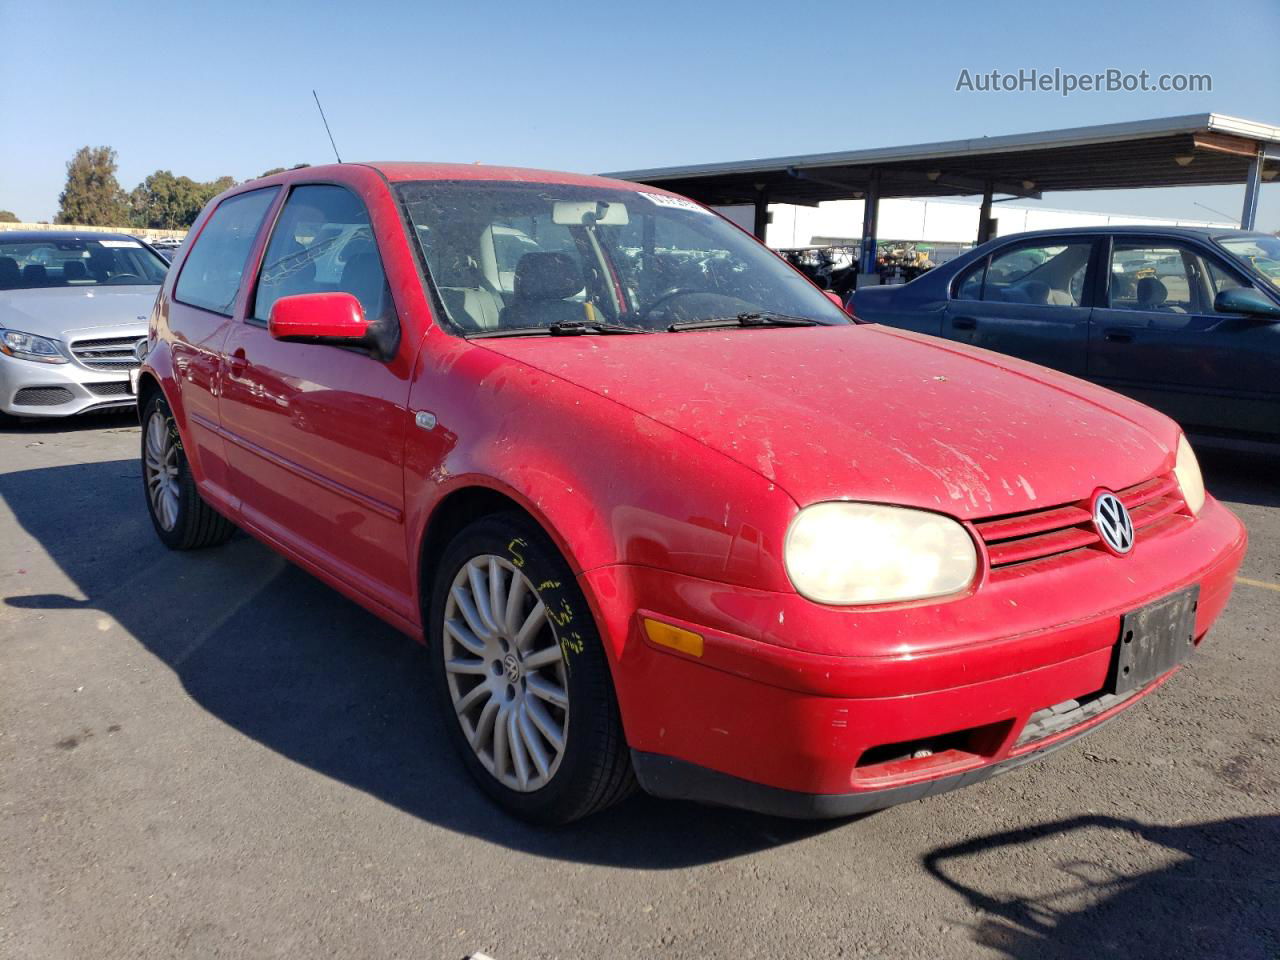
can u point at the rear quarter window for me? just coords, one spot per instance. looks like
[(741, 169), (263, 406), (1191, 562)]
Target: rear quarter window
[(213, 269)]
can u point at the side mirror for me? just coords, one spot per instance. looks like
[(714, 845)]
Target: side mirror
[(834, 298), (335, 318), (1248, 301)]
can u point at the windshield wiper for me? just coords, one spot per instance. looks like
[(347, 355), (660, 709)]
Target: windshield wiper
[(565, 328), (761, 319)]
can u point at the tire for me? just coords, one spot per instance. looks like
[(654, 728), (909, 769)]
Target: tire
[(183, 521), (498, 683)]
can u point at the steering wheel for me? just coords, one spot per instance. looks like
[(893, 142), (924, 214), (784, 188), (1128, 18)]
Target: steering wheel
[(669, 294), (122, 276)]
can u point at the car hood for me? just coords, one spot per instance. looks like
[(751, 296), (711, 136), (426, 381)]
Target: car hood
[(869, 413), (54, 311)]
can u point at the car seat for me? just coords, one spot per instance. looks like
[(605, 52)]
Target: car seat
[(543, 284)]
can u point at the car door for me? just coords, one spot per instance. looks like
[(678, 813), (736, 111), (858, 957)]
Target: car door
[(1028, 299), (315, 432), (200, 313), (1156, 337)]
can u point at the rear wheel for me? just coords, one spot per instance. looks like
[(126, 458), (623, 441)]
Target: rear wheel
[(522, 675), (182, 519)]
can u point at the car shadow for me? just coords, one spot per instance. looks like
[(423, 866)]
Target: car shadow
[(94, 420), (288, 662), (1218, 898)]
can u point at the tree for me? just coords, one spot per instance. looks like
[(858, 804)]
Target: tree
[(163, 201), (92, 196), (8, 216), (274, 170)]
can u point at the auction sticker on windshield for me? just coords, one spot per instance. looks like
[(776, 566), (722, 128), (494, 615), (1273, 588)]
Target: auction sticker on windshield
[(679, 203)]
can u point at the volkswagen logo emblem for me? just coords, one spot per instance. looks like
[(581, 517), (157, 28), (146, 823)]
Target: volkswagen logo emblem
[(1113, 523), (511, 665)]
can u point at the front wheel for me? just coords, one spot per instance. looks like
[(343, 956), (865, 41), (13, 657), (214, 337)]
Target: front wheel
[(182, 519), (522, 675)]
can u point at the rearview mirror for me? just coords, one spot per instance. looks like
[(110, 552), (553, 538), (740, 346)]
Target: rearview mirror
[(335, 318), (573, 213), (1248, 301)]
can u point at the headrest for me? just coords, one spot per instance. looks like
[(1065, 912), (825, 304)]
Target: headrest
[(34, 273), (1122, 287), (74, 270), (9, 272), (547, 276), (1151, 292)]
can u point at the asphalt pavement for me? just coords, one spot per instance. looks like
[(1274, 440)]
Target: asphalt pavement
[(214, 755)]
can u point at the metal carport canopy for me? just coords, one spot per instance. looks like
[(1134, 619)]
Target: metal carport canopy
[(1194, 150)]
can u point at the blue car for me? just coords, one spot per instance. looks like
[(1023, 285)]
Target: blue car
[(1185, 320)]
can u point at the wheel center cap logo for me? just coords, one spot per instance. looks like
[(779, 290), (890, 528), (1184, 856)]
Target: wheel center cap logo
[(512, 666), (1113, 523)]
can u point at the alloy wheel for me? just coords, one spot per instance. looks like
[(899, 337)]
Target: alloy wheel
[(160, 469), (505, 673)]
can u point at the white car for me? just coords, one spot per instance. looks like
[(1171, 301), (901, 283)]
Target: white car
[(74, 309)]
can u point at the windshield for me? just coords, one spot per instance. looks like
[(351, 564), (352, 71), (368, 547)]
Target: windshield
[(1260, 252), (32, 264), (508, 256)]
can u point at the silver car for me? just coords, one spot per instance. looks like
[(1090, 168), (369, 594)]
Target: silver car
[(74, 308)]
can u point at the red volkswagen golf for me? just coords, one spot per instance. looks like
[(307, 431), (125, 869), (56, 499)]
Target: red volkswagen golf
[(661, 512)]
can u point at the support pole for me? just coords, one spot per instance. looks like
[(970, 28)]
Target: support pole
[(762, 213), (984, 214), (1249, 215), (870, 223)]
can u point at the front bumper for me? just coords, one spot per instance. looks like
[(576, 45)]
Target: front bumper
[(936, 696), (31, 389)]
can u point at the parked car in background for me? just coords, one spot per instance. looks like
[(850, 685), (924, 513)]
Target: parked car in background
[(73, 310), (1186, 320), (167, 247), (661, 513)]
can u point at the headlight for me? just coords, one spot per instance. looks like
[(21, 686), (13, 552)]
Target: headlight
[(847, 553), (1187, 470), (28, 346)]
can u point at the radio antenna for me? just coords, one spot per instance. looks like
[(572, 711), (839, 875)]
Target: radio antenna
[(326, 126)]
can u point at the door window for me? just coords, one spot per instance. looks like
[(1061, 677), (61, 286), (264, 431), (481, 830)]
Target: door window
[(323, 243), (1154, 277), (1040, 274), (1220, 279), (970, 285), (211, 273)]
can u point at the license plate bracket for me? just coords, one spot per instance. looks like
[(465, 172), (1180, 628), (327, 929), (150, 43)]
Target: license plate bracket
[(1154, 639)]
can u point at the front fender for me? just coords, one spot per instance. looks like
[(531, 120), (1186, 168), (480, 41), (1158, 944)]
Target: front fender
[(609, 485)]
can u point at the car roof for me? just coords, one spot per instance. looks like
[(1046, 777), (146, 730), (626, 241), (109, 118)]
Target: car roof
[(29, 236), (403, 171), (1145, 230)]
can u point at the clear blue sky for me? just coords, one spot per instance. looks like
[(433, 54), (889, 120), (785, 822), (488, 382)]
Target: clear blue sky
[(212, 88)]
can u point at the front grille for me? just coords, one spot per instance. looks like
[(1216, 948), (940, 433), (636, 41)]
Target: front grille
[(117, 389), (1038, 534), (42, 396), (107, 353)]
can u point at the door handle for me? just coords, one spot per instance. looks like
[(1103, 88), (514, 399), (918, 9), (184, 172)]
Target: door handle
[(237, 362), (964, 323), (1117, 336)]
